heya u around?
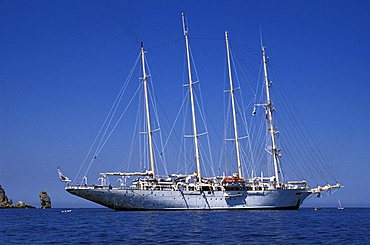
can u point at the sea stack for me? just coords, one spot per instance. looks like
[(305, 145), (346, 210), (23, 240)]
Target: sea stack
[(45, 200), (4, 201)]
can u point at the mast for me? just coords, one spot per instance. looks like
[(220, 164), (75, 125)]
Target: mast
[(270, 110), (195, 133), (150, 137), (233, 105)]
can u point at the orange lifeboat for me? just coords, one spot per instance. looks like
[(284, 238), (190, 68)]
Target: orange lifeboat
[(234, 179)]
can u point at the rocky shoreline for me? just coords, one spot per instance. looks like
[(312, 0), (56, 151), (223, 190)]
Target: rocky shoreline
[(5, 202)]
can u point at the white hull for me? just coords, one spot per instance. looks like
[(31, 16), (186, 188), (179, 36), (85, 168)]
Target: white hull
[(132, 199)]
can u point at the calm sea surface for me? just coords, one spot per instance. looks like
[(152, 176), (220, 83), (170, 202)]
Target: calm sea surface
[(305, 226)]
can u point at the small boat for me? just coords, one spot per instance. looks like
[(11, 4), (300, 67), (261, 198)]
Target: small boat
[(319, 209), (66, 211), (340, 207)]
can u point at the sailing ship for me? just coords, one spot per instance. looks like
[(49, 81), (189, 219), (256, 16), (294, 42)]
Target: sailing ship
[(149, 191)]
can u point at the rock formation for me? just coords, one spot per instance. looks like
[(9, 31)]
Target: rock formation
[(4, 201), (20, 204), (45, 200)]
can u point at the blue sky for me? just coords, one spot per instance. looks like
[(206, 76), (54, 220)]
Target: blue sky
[(63, 62)]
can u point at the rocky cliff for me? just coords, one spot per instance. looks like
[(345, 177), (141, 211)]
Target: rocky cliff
[(4, 200)]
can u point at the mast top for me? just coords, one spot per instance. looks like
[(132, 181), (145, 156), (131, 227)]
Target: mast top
[(184, 26), (226, 34)]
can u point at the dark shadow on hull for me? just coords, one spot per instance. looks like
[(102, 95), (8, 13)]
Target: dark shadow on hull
[(215, 209)]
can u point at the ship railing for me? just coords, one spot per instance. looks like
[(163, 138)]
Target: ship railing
[(295, 185), (258, 183), (132, 187), (302, 182), (146, 173), (81, 187)]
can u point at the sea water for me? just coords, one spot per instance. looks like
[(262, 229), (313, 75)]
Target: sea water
[(90, 226)]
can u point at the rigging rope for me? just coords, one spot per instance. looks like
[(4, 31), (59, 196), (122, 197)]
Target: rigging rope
[(113, 108), (114, 127)]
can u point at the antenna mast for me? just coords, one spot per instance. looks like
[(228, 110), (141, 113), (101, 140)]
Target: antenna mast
[(150, 136), (195, 133), (233, 105), (270, 109)]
